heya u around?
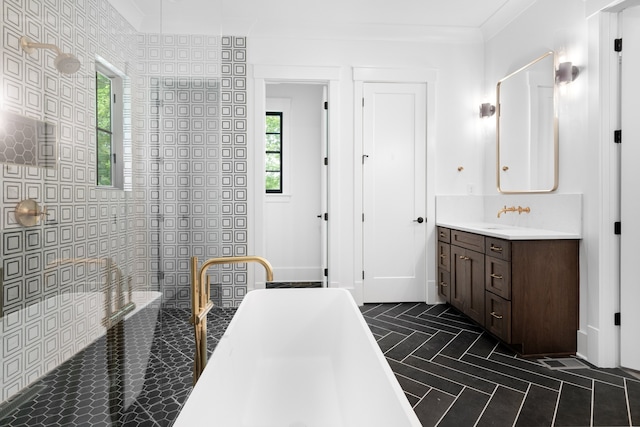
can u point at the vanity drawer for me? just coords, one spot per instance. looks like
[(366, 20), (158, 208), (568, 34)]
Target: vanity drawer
[(444, 256), (475, 242), (498, 248), (444, 234), (444, 284), (497, 276), (498, 316)]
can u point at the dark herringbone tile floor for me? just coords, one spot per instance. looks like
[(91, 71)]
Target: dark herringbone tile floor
[(454, 374)]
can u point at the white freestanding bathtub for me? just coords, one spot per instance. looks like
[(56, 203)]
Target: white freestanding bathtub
[(297, 358)]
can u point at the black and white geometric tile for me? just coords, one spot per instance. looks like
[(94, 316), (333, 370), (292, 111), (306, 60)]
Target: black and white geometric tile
[(192, 89), (84, 222)]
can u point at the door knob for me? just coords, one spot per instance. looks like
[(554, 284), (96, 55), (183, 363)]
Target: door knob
[(420, 220)]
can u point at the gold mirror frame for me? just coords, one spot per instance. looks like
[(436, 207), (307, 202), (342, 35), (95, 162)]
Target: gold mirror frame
[(499, 167)]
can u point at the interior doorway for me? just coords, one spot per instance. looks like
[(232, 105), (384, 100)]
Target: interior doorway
[(295, 199)]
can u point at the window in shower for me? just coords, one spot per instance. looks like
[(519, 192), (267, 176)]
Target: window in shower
[(273, 178), (109, 127)]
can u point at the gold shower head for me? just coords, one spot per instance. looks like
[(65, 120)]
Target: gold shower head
[(66, 63)]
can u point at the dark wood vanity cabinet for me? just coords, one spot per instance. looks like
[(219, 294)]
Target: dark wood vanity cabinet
[(524, 292), (467, 274)]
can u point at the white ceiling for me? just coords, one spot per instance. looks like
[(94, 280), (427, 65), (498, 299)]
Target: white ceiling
[(394, 19)]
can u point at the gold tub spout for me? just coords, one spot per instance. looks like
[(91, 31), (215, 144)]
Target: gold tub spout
[(201, 302), (519, 209)]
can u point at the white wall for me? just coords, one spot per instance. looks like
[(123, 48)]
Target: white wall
[(293, 231), (457, 128), (563, 27)]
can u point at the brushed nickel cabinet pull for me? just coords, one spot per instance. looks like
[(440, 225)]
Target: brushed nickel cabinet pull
[(496, 248), (497, 316), (496, 276)]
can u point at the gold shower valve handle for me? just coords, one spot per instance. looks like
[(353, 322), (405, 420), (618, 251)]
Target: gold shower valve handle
[(28, 213)]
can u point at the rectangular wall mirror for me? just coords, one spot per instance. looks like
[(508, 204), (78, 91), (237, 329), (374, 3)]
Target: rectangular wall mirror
[(527, 128)]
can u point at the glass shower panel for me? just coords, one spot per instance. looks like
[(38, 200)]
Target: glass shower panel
[(190, 197), (79, 313)]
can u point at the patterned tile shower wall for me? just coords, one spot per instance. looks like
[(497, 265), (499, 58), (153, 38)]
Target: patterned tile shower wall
[(40, 267), (193, 176)]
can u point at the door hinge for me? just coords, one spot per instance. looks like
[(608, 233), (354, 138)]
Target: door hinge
[(617, 227), (161, 275), (617, 136), (363, 217), (362, 274), (326, 161), (616, 319), (363, 102), (617, 45), (114, 158), (326, 216), (114, 98), (326, 272), (326, 105)]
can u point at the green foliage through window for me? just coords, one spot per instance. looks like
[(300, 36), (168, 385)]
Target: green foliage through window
[(273, 152), (104, 134)]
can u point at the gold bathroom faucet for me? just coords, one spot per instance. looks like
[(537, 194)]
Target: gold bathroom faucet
[(519, 209)]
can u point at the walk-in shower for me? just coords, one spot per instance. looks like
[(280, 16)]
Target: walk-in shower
[(82, 344)]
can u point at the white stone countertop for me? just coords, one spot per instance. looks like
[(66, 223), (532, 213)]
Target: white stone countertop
[(508, 232)]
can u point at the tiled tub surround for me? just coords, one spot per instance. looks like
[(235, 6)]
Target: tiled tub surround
[(453, 374), (42, 336)]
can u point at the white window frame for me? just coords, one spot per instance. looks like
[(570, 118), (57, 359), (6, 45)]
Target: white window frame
[(117, 124)]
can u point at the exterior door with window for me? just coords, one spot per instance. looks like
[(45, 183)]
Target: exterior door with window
[(394, 191)]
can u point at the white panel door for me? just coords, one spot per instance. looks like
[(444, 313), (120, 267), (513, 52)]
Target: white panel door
[(394, 192), (630, 192)]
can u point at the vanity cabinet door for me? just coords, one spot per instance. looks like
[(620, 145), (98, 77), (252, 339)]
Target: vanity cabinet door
[(498, 277), (444, 256), (498, 317), (498, 248), (467, 282), (474, 306), (444, 234), (444, 284), (459, 287)]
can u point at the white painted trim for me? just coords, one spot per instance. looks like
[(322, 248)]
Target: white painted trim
[(603, 272), (363, 75), (263, 74), (292, 74), (593, 7)]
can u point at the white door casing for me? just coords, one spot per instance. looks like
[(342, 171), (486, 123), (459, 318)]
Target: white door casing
[(630, 191), (263, 74), (394, 192)]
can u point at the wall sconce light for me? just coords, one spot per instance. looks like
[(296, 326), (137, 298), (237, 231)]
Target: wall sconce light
[(566, 73), (487, 110)]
